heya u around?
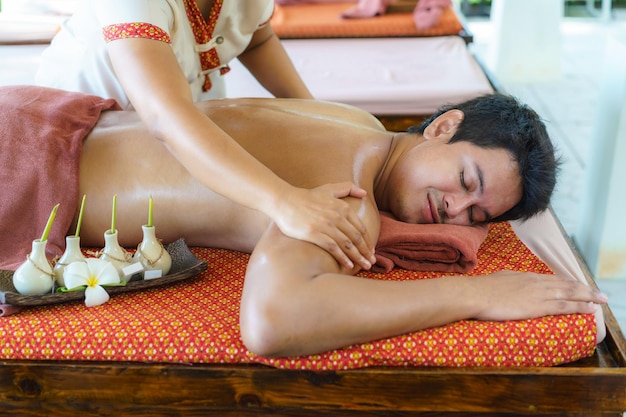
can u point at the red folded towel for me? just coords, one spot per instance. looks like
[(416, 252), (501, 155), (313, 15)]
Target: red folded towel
[(8, 309), (427, 247), (41, 134)]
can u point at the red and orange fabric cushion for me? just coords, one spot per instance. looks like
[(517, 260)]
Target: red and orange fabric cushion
[(325, 21), (197, 321)]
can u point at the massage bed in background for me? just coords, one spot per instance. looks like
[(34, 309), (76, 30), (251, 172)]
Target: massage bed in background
[(427, 75), (384, 65)]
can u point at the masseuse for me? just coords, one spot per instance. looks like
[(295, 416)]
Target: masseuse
[(158, 57), (484, 160)]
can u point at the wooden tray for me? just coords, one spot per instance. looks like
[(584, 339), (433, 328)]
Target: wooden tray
[(184, 265)]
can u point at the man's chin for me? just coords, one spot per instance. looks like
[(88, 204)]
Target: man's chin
[(411, 219)]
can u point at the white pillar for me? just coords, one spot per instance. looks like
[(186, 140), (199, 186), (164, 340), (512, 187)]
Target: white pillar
[(527, 41), (601, 230), (605, 11)]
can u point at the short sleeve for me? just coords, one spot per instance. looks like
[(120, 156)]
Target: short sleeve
[(152, 19)]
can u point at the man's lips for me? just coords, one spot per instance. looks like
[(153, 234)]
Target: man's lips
[(432, 207)]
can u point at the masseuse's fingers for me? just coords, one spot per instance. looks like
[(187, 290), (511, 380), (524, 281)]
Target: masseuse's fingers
[(355, 237), (341, 190), (321, 217), (509, 295)]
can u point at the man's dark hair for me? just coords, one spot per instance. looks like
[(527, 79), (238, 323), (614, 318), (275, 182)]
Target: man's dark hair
[(501, 121)]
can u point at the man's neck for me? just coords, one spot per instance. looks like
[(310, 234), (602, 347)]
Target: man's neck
[(401, 142)]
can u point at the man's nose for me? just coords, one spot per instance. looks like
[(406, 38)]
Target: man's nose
[(456, 207)]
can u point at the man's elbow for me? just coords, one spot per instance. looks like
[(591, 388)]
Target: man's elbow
[(263, 329)]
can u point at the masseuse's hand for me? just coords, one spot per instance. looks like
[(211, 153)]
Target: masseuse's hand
[(320, 216), (510, 295)]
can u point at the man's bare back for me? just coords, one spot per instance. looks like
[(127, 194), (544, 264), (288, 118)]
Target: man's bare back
[(293, 138)]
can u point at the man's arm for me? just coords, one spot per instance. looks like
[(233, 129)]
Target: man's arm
[(298, 301)]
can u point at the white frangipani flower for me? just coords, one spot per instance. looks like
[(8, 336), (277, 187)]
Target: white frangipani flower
[(93, 273)]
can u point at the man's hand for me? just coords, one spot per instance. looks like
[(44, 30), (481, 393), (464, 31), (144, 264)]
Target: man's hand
[(510, 295), (321, 217)]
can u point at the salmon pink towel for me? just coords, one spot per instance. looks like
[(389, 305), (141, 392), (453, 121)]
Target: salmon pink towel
[(41, 134), (427, 247)]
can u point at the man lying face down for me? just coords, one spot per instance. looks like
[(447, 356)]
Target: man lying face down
[(485, 160)]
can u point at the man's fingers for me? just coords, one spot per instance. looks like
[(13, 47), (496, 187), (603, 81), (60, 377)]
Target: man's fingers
[(517, 295), (575, 291), (568, 297), (571, 307)]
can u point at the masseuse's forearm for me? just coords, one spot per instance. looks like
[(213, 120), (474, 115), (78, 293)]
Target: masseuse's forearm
[(152, 78), (218, 162)]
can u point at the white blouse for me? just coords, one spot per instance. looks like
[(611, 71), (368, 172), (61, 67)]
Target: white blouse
[(77, 58)]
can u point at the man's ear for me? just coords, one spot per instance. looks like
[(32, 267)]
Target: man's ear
[(444, 126)]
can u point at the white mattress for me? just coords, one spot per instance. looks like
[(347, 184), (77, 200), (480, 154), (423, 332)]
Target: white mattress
[(545, 237), (22, 28), (381, 75)]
